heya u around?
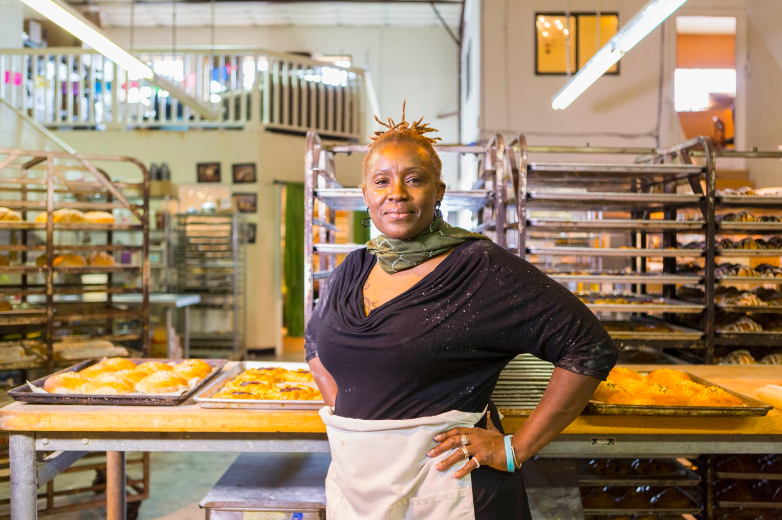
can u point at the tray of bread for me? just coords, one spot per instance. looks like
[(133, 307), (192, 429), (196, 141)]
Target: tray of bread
[(650, 329), (258, 385), (639, 502), (669, 392), (732, 324), (629, 277), (749, 467), (122, 381), (629, 302)]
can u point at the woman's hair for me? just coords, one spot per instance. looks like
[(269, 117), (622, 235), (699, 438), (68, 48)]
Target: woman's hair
[(404, 132)]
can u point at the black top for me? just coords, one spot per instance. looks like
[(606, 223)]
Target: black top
[(441, 345)]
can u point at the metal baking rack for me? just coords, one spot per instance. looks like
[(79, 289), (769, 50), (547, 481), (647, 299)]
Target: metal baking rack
[(211, 261), (35, 182), (594, 203), (323, 196)]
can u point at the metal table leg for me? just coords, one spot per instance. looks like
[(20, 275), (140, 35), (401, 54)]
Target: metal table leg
[(24, 492), (169, 335), (115, 485), (186, 334)]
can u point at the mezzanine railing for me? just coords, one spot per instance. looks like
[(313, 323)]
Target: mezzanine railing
[(74, 87)]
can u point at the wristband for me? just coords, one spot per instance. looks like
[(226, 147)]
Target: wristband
[(509, 454)]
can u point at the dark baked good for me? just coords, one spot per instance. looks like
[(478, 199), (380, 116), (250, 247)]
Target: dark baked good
[(772, 464), (671, 498), (737, 464), (600, 498), (637, 498), (734, 492), (653, 467)]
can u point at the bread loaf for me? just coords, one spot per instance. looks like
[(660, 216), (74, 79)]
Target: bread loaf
[(65, 383), (107, 383), (161, 382), (99, 217), (190, 368), (9, 214), (63, 216)]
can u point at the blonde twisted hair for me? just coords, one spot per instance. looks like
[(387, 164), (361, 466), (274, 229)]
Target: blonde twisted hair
[(405, 132)]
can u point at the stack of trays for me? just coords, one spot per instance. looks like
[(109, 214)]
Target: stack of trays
[(522, 383)]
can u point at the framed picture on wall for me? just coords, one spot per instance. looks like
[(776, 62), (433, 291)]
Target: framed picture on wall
[(208, 172), (246, 202), (249, 232), (244, 173)]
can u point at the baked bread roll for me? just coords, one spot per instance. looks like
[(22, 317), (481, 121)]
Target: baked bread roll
[(666, 376), (107, 383), (65, 383), (161, 382), (637, 498), (254, 387), (5, 305), (605, 390), (299, 376), (63, 216), (9, 214), (105, 366), (154, 366), (735, 492), (99, 217), (671, 498), (621, 397), (600, 498), (687, 388), (134, 376), (633, 386), (619, 374), (100, 258), (4, 261), (190, 368), (659, 395), (772, 359), (715, 396), (653, 467), (294, 393), (738, 357), (737, 464), (772, 464), (68, 261)]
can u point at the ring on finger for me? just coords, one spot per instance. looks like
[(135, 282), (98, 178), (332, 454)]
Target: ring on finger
[(477, 464), (466, 453), (465, 441)]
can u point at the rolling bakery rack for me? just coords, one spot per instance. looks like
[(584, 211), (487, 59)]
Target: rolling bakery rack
[(211, 261), (55, 306)]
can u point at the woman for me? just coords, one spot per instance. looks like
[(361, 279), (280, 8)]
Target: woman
[(407, 342)]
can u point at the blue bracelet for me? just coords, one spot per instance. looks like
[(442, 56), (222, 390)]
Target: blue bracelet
[(509, 454)]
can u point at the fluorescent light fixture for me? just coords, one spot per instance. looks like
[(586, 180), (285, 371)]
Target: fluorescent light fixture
[(653, 14), (86, 32)]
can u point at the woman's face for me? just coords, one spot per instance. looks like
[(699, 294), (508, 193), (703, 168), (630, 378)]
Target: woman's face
[(401, 190)]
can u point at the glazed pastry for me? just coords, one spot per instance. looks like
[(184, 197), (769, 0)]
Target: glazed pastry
[(604, 390), (107, 365), (161, 382), (666, 376), (653, 467), (100, 258), (234, 395), (9, 214), (714, 396), (154, 366), (687, 388), (735, 492), (190, 368), (600, 498), (772, 359), (64, 383), (294, 393), (620, 397), (738, 357), (99, 217), (64, 216), (743, 324), (636, 498)]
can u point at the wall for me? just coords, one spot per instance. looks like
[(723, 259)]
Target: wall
[(706, 51), (11, 23)]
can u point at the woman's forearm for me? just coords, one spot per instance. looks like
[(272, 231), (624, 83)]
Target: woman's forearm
[(326, 383), (565, 398)]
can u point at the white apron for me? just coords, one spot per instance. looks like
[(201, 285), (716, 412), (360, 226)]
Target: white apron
[(379, 469)]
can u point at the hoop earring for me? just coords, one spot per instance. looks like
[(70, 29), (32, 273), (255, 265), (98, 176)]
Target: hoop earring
[(437, 213), (367, 220)]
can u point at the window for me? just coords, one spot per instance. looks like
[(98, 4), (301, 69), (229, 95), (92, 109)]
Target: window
[(581, 34)]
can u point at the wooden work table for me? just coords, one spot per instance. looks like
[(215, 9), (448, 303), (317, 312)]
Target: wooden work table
[(73, 430), (190, 417)]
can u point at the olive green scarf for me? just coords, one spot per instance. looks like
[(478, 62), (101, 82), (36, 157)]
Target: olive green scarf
[(395, 255)]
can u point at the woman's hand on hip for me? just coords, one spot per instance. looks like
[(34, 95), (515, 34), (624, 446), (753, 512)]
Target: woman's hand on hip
[(486, 446)]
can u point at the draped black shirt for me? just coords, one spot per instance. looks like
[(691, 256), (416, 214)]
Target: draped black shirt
[(441, 345)]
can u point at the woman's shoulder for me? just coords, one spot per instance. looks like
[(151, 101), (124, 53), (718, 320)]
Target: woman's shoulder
[(354, 263), (486, 251)]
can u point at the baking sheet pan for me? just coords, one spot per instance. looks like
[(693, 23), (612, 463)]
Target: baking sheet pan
[(765, 309), (24, 394), (750, 200), (753, 407), (616, 251), (205, 399), (677, 331), (749, 476), (760, 228), (634, 303), (629, 278), (771, 253), (751, 279), (763, 505), (554, 224)]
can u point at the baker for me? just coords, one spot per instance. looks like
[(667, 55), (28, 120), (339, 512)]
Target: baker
[(407, 342)]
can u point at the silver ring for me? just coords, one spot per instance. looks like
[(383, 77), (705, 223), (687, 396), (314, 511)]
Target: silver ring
[(465, 441), (477, 464), (466, 453)]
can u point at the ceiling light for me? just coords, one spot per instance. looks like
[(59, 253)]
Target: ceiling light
[(69, 20), (653, 14)]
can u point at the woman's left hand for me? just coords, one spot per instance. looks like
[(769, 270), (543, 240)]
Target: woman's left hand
[(486, 446)]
